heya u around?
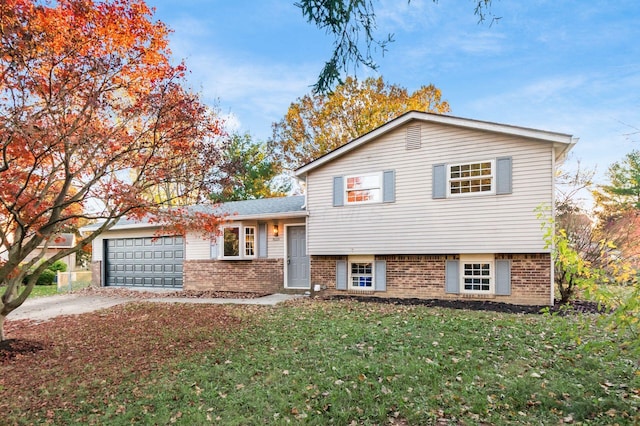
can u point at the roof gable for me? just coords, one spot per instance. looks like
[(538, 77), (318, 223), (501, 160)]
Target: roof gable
[(562, 142)]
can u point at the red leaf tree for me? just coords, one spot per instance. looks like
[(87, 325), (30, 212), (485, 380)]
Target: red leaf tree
[(93, 119)]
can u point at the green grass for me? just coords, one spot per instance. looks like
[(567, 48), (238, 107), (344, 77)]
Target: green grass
[(349, 363), (44, 290)]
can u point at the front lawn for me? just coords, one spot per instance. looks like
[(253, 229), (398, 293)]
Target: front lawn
[(316, 362), (44, 290)]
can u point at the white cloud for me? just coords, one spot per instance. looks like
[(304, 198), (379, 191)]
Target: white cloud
[(256, 94)]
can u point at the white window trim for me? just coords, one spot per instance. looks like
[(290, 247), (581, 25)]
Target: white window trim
[(346, 191), (361, 259), (242, 242), (255, 241), (479, 258), (492, 176)]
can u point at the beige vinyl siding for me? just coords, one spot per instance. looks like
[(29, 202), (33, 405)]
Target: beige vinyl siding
[(275, 247), (197, 247), (418, 224), (97, 245)]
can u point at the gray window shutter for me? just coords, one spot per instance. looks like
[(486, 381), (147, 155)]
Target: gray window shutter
[(338, 191), (389, 186), (452, 273), (439, 181), (341, 275), (503, 277), (381, 275), (503, 175), (262, 240), (214, 248)]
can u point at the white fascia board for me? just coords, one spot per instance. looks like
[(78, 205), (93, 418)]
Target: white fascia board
[(272, 216), (120, 227), (543, 135), (227, 218), (562, 150)]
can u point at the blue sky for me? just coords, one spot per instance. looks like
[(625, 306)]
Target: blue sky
[(560, 65)]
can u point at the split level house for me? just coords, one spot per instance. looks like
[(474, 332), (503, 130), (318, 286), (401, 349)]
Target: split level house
[(425, 206)]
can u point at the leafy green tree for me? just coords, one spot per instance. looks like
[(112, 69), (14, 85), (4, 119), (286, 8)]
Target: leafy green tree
[(571, 269), (246, 171), (623, 192), (318, 123), (352, 23)]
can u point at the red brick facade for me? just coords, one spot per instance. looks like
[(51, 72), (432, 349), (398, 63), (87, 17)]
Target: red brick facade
[(256, 276), (422, 276)]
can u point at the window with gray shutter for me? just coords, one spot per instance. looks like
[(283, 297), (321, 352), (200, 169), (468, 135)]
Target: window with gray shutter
[(503, 277), (338, 191), (341, 275), (439, 178), (503, 175), (381, 275), (452, 277), (389, 186)]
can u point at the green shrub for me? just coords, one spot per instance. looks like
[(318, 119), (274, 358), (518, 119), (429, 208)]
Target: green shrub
[(58, 265), (46, 277)]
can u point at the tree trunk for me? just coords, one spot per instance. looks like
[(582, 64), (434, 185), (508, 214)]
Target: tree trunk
[(13, 297), (2, 318)]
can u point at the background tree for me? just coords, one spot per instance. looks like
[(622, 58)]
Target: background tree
[(618, 206), (352, 23), (618, 215), (586, 255), (318, 123), (595, 257), (246, 172), (87, 94)]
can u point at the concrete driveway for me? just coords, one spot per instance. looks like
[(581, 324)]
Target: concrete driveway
[(45, 308)]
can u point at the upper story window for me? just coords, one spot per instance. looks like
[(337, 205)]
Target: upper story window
[(363, 188), (471, 178), (238, 242)]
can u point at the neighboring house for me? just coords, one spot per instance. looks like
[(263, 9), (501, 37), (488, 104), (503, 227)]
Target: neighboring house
[(425, 206), (60, 242)]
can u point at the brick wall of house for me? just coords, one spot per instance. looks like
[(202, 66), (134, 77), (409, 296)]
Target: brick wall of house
[(421, 276), (255, 276), (322, 271), (530, 278)]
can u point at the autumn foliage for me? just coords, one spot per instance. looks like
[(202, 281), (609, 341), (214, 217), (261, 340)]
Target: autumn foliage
[(93, 117), (318, 123)]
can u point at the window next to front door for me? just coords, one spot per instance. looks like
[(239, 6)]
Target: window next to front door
[(239, 242)]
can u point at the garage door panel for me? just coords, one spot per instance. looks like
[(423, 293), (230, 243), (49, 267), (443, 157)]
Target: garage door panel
[(152, 262)]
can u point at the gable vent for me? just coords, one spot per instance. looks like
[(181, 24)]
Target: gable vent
[(413, 137)]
